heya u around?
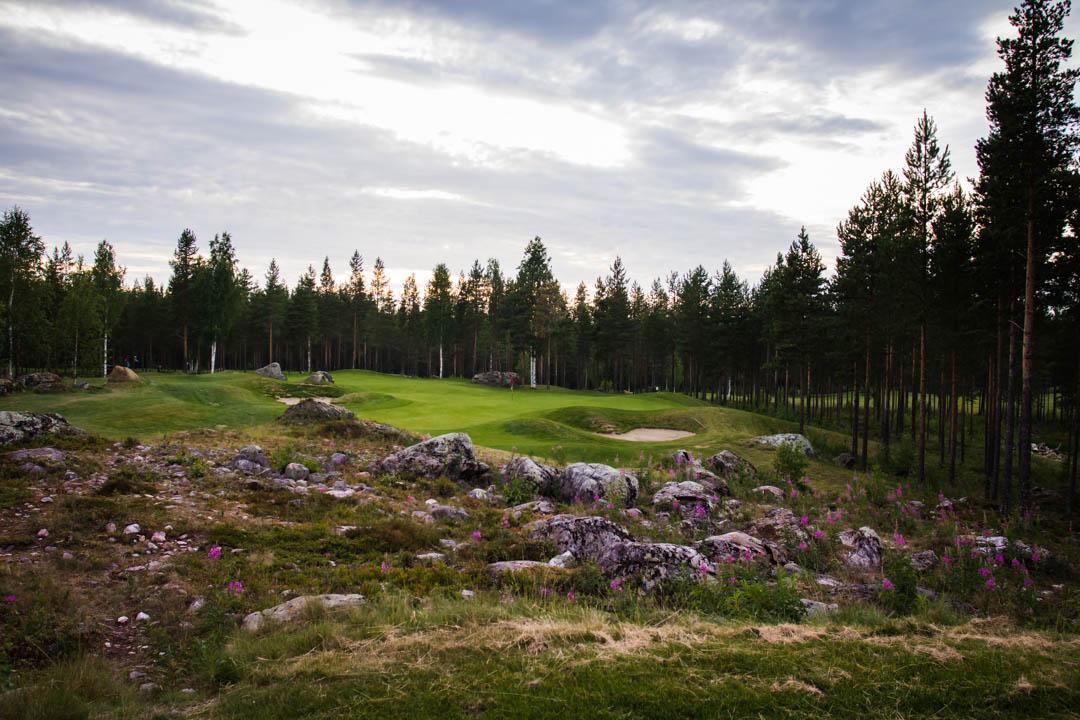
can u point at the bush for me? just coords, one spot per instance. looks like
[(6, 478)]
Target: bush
[(790, 463), (902, 597), (126, 480), (517, 490)]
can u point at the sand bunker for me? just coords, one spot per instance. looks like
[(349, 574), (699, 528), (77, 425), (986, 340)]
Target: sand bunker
[(650, 435), (290, 401)]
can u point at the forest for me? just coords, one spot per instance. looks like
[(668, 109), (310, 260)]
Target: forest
[(950, 312)]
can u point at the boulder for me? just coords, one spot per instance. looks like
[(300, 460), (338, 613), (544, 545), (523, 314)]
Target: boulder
[(815, 608), (450, 455), (865, 548), (293, 608), (7, 387), (503, 567), (582, 482), (319, 377), (18, 426), (41, 455), (777, 523), (655, 563), (40, 381), (497, 378), (272, 371), (799, 442), (769, 490), (250, 458), (544, 479), (121, 374), (534, 507), (845, 460), (924, 560), (312, 411), (684, 496), (586, 538), (296, 471), (734, 546), (728, 465)]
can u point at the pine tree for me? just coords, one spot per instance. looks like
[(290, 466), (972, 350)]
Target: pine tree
[(181, 285), (20, 254)]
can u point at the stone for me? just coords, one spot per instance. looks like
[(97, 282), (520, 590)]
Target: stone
[(468, 595), (123, 620), (250, 458), (136, 675), (497, 378), (158, 537), (40, 382), (141, 617), (769, 490), (535, 507), (563, 560), (447, 512), (799, 442), (431, 557), (132, 529), (778, 523), (815, 608), (310, 410), (41, 455), (544, 479), (586, 538), (319, 377), (865, 548), (728, 465), (655, 563), (18, 426), (483, 495), (296, 471), (686, 496), (584, 482), (110, 528), (272, 371), (924, 560), (735, 546), (43, 533), (845, 460), (513, 566), (148, 687), (449, 455), (338, 459), (120, 374), (291, 609)]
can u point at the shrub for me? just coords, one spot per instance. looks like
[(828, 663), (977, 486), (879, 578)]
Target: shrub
[(126, 480), (899, 596), (517, 490), (790, 463)]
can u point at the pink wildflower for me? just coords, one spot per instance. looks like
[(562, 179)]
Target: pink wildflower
[(1035, 557), (505, 522), (571, 596), (214, 553), (410, 499), (985, 571), (899, 540), (886, 584), (383, 567), (946, 559), (235, 586), (990, 584), (700, 511), (804, 520), (818, 534), (476, 535), (616, 584), (794, 493), (1028, 583), (803, 547), (1015, 563), (999, 559), (545, 592), (11, 599)]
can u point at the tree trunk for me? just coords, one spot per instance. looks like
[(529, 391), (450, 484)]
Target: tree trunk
[(532, 370), (213, 356), (922, 403), (269, 349), (440, 359), (1010, 431), (105, 355), (952, 420), (11, 324), (1026, 367), (866, 412)]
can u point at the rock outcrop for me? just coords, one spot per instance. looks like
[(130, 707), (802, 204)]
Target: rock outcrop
[(736, 546), (585, 482), (312, 411), (586, 538), (799, 442), (293, 608), (728, 465), (655, 563), (18, 426), (683, 496), (865, 548), (497, 378), (319, 377), (450, 455), (272, 371), (121, 374), (40, 381)]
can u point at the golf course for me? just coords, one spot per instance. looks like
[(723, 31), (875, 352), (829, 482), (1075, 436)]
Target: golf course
[(548, 423)]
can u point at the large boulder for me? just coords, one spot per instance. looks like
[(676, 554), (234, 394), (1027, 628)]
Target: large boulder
[(272, 371), (310, 410), (40, 381), (845, 460), (734, 546), (683, 496), (799, 442), (18, 426), (728, 465), (582, 482), (293, 608), (692, 469), (121, 374), (251, 458), (543, 479), (8, 387), (778, 523), (450, 455), (497, 378), (655, 563), (586, 538), (864, 546), (319, 377)]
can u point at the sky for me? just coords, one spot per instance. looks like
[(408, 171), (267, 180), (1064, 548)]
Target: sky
[(671, 134)]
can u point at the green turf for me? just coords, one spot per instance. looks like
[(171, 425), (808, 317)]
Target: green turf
[(547, 422)]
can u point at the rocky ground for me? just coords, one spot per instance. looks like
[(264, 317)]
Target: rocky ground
[(156, 556)]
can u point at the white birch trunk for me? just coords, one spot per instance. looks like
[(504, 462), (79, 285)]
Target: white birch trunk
[(213, 356), (532, 370), (105, 356), (440, 361), (309, 355)]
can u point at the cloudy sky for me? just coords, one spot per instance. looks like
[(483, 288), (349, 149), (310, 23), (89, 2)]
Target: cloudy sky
[(670, 133)]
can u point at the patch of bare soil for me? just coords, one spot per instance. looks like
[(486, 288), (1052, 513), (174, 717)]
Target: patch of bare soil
[(290, 401), (650, 435)]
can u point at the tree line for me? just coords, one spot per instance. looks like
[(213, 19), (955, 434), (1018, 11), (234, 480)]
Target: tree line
[(946, 309)]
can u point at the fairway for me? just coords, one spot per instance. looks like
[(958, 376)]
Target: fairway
[(554, 423)]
